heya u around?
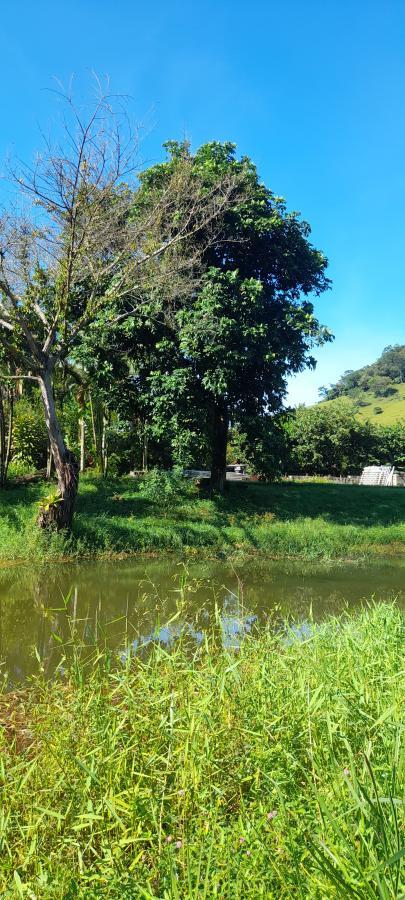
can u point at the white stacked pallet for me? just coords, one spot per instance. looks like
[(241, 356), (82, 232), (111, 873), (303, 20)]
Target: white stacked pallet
[(381, 475)]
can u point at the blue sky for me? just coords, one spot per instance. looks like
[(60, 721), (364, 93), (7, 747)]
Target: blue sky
[(312, 90)]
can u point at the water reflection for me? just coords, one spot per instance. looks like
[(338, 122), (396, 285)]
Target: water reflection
[(129, 604)]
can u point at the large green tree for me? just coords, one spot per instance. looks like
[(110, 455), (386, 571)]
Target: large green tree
[(232, 343)]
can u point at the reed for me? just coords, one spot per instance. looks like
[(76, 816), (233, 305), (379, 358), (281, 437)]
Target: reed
[(271, 770)]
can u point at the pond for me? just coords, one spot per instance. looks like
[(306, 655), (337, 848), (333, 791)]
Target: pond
[(130, 603)]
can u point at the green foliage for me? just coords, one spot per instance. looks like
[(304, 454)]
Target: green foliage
[(51, 499), (232, 343), (69, 415), (274, 771), (378, 378), (166, 489), (29, 434), (330, 439), (19, 467)]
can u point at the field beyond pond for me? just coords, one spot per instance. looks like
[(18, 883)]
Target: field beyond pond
[(274, 771), (308, 521)]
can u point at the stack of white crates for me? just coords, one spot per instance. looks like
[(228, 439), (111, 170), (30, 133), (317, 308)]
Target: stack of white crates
[(383, 475)]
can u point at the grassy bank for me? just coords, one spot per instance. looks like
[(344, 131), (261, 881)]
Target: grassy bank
[(308, 521), (275, 771), (390, 410)]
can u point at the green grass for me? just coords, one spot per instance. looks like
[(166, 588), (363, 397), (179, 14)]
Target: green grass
[(393, 408), (274, 772), (305, 521)]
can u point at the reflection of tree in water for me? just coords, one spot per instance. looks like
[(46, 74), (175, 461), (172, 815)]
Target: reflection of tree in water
[(134, 604)]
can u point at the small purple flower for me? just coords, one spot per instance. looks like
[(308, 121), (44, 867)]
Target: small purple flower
[(271, 815), (169, 839), (242, 840), (346, 771), (179, 845)]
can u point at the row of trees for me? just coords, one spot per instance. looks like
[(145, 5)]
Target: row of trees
[(331, 440), (169, 302), (320, 440)]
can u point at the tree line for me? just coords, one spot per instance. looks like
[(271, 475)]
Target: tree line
[(157, 307)]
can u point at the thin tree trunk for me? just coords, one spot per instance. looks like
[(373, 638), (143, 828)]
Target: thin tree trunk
[(48, 461), (93, 423), (219, 444), (10, 431), (2, 441), (97, 428), (145, 450), (82, 441), (104, 446), (58, 515)]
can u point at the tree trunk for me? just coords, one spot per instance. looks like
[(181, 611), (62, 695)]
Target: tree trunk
[(97, 428), (219, 444), (145, 450), (2, 441), (82, 442), (10, 431), (104, 446), (49, 461), (6, 434), (59, 514)]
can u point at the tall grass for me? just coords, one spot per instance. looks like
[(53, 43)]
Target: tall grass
[(275, 770)]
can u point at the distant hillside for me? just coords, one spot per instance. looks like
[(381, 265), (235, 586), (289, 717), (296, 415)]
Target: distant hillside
[(377, 391)]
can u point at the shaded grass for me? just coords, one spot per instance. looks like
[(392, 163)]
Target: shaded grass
[(275, 771), (309, 521)]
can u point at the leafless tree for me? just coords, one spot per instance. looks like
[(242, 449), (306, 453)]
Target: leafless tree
[(82, 252)]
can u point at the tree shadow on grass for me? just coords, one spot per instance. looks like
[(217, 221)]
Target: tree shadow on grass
[(245, 506), (15, 501), (338, 504)]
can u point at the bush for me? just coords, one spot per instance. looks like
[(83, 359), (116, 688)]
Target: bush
[(30, 439), (19, 467), (166, 488)]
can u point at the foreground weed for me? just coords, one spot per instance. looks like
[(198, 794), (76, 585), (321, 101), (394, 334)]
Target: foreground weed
[(275, 770)]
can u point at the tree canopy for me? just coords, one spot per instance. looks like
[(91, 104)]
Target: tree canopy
[(229, 346)]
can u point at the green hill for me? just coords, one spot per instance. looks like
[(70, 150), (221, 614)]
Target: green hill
[(377, 391)]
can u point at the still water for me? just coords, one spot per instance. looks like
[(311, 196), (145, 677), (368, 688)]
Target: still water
[(130, 603)]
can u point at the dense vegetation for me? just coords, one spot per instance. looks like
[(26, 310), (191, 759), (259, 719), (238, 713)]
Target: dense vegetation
[(175, 303), (327, 439), (380, 378), (275, 771), (330, 439), (163, 513)]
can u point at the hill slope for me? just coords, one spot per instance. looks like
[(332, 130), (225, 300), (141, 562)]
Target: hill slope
[(377, 391), (368, 406)]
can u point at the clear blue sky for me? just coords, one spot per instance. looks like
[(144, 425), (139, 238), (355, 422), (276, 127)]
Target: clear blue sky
[(312, 90)]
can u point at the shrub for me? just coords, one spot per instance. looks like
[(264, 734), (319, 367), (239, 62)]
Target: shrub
[(29, 435), (166, 488)]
